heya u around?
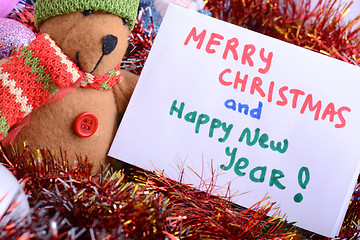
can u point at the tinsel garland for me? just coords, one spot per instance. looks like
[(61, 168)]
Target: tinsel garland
[(24, 13), (321, 29), (70, 203), (140, 42)]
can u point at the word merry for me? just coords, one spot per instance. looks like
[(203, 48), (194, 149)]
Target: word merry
[(254, 113), (297, 97), (231, 46), (201, 119)]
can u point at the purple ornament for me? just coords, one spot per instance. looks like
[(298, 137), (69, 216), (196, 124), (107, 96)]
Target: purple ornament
[(13, 34)]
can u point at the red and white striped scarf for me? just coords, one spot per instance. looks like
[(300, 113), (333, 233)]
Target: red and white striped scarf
[(38, 74)]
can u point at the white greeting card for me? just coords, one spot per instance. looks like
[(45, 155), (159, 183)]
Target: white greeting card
[(268, 117)]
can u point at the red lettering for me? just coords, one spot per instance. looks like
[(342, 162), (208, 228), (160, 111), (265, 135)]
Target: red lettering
[(341, 117), (282, 96), (213, 41), (249, 50), (256, 85), (238, 80), (329, 110), (195, 37), (309, 103), (221, 77), (231, 45), (271, 91), (296, 93), (267, 60)]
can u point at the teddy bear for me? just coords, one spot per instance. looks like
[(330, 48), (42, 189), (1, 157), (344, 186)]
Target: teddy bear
[(65, 91)]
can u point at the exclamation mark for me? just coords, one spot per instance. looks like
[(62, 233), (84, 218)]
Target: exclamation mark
[(303, 180)]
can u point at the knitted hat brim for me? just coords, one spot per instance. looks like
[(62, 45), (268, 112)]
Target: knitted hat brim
[(126, 9)]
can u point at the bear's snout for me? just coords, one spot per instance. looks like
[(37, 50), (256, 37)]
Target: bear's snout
[(109, 43)]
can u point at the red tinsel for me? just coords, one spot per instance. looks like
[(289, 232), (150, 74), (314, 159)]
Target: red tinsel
[(140, 43), (70, 203), (321, 29), (25, 15)]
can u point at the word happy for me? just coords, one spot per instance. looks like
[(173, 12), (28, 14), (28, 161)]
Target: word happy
[(222, 128)]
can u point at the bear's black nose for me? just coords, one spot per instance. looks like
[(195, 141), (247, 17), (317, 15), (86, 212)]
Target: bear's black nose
[(109, 43)]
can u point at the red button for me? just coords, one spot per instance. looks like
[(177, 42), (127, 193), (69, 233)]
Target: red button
[(86, 124)]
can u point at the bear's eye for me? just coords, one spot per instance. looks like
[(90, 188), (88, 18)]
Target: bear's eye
[(88, 12), (125, 21)]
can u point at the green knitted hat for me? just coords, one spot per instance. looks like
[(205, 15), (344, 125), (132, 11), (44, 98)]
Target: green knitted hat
[(126, 9)]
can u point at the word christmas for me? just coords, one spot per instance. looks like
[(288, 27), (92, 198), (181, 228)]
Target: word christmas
[(251, 55)]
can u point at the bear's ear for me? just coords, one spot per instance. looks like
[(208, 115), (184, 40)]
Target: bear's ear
[(88, 12), (125, 21)]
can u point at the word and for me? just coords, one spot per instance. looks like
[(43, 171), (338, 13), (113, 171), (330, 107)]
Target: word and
[(244, 108), (249, 53), (201, 119), (297, 97)]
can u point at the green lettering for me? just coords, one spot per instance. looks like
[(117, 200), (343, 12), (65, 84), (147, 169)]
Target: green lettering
[(274, 179), (278, 146), (298, 198), (263, 139), (261, 178), (227, 130), (190, 117), (246, 132), (232, 156), (242, 163), (176, 109), (304, 183), (215, 123), (203, 119)]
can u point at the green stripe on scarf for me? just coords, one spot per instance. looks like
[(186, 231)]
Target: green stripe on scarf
[(3, 127), (34, 62)]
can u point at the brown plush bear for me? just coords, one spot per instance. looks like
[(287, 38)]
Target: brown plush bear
[(70, 99)]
